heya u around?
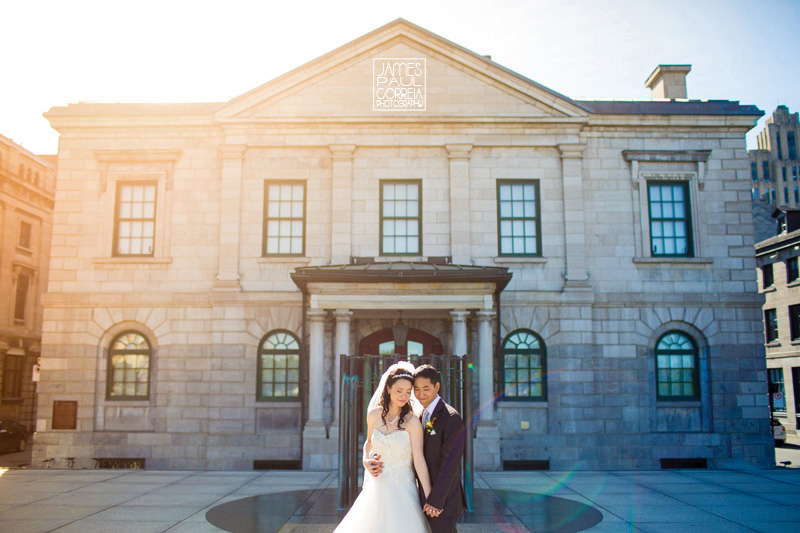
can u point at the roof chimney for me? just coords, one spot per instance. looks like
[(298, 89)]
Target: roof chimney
[(668, 81)]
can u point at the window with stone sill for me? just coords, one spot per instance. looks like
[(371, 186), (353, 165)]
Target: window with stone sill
[(401, 217), (794, 322), (771, 325), (135, 219), (767, 276), (25, 234), (518, 218), (777, 393), (22, 289), (129, 364), (524, 366), (677, 361), (792, 271), (284, 218), (278, 367), (670, 219), (12, 376)]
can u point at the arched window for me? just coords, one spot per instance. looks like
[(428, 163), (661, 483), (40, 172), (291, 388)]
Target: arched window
[(278, 367), (677, 367), (129, 367), (524, 358)]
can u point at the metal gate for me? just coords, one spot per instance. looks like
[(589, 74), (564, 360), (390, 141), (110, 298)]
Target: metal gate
[(360, 375)]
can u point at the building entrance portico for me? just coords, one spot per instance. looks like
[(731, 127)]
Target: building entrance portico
[(376, 296)]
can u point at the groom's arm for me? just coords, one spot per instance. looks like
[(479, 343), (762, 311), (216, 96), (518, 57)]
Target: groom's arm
[(453, 441)]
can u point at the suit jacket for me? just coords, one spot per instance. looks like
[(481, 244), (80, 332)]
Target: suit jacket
[(444, 449)]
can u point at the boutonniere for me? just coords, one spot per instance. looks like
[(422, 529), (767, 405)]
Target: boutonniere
[(429, 427)]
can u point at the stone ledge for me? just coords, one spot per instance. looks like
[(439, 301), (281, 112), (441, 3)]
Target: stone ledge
[(132, 260), (688, 261)]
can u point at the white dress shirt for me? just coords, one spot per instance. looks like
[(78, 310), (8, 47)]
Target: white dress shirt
[(428, 412)]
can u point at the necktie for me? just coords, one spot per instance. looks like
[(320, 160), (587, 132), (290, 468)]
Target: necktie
[(425, 417)]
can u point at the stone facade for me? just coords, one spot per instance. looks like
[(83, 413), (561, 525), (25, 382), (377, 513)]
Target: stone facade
[(209, 295), (775, 165), (777, 258), (27, 192)]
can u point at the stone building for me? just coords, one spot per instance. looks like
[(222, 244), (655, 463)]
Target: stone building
[(775, 166), (595, 257), (779, 282), (27, 192)]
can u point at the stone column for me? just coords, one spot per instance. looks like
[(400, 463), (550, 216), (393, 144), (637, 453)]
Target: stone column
[(342, 334), (487, 433), (316, 345), (459, 331), (485, 365), (341, 202), (319, 451), (576, 275), (460, 231), (230, 216)]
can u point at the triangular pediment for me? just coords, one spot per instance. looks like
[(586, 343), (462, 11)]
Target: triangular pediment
[(401, 70)]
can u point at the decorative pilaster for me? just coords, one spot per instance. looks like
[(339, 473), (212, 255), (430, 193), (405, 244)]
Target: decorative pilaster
[(576, 276), (341, 202), (230, 216), (460, 231)]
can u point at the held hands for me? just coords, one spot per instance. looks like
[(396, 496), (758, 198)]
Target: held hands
[(433, 512), (374, 465)]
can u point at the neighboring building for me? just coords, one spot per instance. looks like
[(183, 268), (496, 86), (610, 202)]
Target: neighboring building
[(27, 192), (775, 168), (596, 258), (779, 281)]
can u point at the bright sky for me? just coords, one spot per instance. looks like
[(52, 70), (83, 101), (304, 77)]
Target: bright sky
[(57, 52)]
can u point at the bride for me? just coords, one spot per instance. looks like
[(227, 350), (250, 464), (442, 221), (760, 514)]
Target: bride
[(389, 500)]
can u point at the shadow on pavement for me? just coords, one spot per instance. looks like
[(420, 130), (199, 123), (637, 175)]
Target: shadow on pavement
[(267, 513)]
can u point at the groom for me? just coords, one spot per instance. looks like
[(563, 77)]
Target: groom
[(444, 437)]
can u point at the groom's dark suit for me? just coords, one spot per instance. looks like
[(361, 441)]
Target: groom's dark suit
[(443, 449)]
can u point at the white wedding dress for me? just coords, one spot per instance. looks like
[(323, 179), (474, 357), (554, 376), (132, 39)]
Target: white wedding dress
[(390, 502)]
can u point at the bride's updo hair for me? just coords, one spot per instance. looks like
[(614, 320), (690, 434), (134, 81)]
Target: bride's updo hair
[(393, 377)]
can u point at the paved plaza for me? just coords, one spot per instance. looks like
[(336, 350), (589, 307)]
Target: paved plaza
[(38, 500)]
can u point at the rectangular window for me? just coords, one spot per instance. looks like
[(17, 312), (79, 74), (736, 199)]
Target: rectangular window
[(12, 376), (794, 173), (783, 173), (765, 168), (518, 220), (670, 223), (25, 234), (786, 194), (778, 145), (754, 194), (401, 218), (767, 276), (284, 218), (796, 195), (21, 300), (792, 145), (753, 171), (794, 322), (777, 394), (135, 219), (792, 272), (771, 323)]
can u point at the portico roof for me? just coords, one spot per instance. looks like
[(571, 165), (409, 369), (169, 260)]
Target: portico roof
[(401, 285), (401, 272)]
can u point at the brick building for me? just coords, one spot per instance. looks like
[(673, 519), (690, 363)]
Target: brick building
[(27, 192), (595, 257)]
